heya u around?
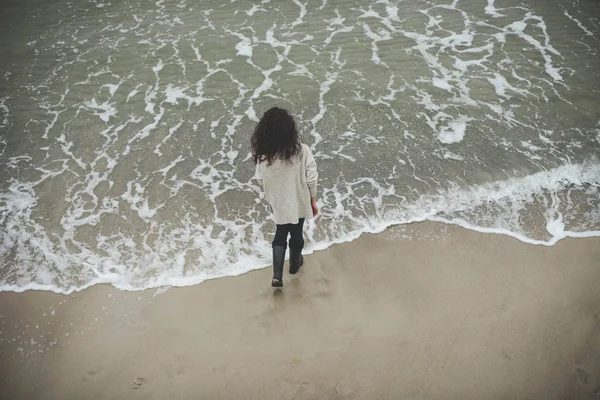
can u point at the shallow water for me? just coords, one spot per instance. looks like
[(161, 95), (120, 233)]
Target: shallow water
[(124, 127)]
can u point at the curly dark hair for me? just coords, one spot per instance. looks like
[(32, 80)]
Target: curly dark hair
[(275, 137)]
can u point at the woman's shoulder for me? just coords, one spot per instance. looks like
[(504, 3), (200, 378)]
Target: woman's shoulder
[(305, 150)]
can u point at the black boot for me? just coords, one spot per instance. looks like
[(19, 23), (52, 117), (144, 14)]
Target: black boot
[(278, 259), (296, 260)]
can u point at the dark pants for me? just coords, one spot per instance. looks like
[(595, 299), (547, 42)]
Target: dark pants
[(295, 231)]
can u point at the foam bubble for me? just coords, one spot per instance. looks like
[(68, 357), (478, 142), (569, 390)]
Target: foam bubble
[(108, 110), (454, 132)]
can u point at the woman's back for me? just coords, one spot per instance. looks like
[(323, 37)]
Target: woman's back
[(289, 185)]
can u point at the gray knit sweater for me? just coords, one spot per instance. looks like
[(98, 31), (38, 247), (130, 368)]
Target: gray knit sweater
[(288, 186)]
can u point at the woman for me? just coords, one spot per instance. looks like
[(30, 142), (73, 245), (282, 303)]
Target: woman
[(288, 175)]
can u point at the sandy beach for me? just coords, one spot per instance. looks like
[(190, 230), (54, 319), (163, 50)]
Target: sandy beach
[(425, 311)]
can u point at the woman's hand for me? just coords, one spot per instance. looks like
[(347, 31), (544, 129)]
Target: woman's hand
[(315, 208)]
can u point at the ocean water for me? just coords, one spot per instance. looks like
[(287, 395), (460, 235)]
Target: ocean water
[(125, 126)]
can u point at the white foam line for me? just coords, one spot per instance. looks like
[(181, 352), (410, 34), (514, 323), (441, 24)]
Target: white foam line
[(244, 47), (52, 288), (264, 86), (134, 196), (338, 21), (299, 20), (51, 124), (5, 109), (373, 228), (108, 109), (66, 148), (144, 132), (380, 36), (172, 94), (133, 92), (254, 9), (324, 88), (172, 130), (164, 171), (579, 24), (518, 28), (245, 267), (491, 10), (559, 235)]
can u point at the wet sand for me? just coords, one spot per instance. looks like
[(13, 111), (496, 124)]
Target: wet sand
[(425, 311)]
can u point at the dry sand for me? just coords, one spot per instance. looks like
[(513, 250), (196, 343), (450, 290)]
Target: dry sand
[(425, 311)]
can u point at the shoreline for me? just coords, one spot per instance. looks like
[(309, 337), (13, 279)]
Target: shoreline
[(426, 310), (558, 234)]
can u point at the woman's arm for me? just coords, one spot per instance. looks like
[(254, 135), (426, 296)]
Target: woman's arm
[(258, 176), (312, 176)]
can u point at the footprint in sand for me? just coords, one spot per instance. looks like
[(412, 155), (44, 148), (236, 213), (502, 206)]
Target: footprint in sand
[(588, 382), (583, 375), (137, 383)]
